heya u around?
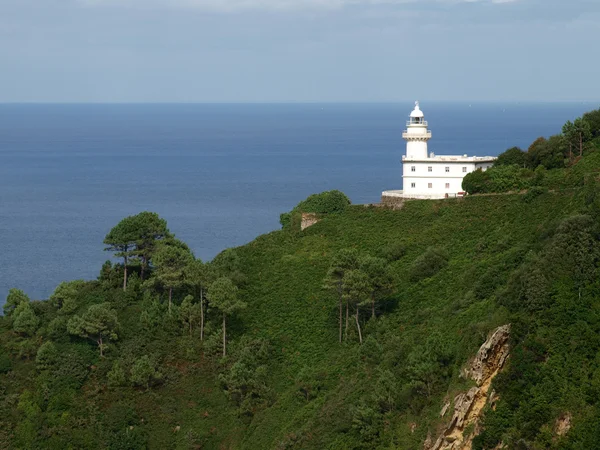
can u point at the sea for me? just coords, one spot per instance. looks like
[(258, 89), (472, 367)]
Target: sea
[(220, 174)]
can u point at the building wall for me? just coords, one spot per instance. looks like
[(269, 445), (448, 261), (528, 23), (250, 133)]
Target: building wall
[(416, 149), (427, 179)]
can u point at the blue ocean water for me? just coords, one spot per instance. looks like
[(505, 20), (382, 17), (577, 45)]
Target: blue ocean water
[(220, 174)]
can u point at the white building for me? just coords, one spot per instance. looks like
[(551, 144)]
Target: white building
[(428, 176)]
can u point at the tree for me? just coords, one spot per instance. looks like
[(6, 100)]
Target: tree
[(344, 260), (144, 372), (150, 230), (64, 296), (47, 356), (593, 119), (13, 300), (357, 289), (122, 240), (116, 375), (380, 278), (550, 153), (99, 324), (329, 202), (476, 182), (171, 259), (223, 295), (577, 134), (199, 276), (24, 319), (189, 312), (512, 156), (228, 264)]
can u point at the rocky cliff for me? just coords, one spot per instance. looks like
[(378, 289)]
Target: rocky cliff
[(468, 406)]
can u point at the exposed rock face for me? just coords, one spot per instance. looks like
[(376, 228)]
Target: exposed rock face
[(308, 220), (468, 406), (563, 424)]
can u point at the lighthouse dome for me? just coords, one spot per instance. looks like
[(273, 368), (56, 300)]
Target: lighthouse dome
[(417, 111)]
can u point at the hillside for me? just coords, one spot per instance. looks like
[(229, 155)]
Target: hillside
[(286, 340), (139, 358)]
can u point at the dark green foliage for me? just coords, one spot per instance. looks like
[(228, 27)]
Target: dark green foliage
[(309, 383), (550, 153), (245, 380), (99, 323), (15, 298), (47, 356), (476, 182), (329, 202), (394, 251), (5, 363), (324, 203), (593, 119), (144, 372), (428, 264), (530, 260), (577, 135), (24, 319), (512, 157), (116, 376)]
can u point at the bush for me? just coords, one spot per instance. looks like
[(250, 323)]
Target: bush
[(476, 182), (5, 363), (144, 372), (324, 203), (512, 156), (47, 356), (428, 264), (328, 202), (533, 193), (116, 375), (393, 252)]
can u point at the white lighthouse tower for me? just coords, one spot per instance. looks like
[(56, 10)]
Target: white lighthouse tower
[(416, 135), (429, 176)]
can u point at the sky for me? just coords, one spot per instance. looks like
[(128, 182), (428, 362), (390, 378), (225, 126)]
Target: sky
[(299, 50)]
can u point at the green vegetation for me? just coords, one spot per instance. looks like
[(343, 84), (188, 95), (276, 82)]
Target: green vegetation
[(544, 163), (329, 202), (349, 335)]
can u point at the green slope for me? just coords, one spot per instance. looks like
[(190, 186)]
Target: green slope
[(385, 393)]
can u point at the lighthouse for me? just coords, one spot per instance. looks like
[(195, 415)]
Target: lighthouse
[(416, 134), (426, 175)]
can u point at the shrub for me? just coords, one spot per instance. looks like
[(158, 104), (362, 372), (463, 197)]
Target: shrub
[(5, 363), (144, 372), (47, 356), (476, 182), (428, 264), (512, 156), (116, 375), (13, 300), (533, 193), (328, 202), (24, 319), (324, 203), (393, 252)]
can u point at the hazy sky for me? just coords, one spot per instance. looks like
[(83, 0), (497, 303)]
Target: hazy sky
[(298, 50)]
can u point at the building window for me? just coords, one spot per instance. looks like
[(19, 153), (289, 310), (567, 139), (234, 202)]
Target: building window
[(447, 185), (413, 169), (430, 185), (430, 169), (447, 169), (412, 185), (464, 170)]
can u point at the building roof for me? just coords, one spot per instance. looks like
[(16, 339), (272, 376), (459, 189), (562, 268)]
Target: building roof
[(417, 111), (453, 158)]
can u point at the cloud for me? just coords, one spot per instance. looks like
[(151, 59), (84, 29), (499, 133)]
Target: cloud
[(231, 6)]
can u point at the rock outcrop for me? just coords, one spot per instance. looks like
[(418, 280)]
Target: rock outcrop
[(308, 220), (468, 405)]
